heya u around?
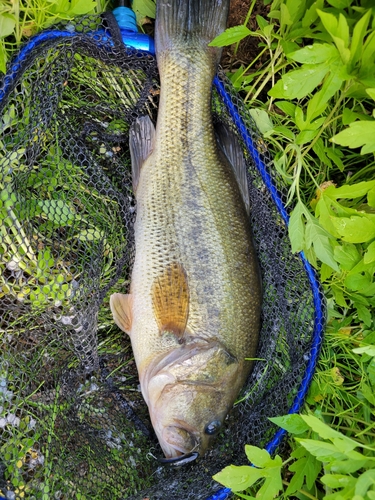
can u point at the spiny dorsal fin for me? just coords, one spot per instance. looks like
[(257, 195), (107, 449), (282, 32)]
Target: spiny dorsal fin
[(170, 300), (231, 147), (121, 307), (141, 144)]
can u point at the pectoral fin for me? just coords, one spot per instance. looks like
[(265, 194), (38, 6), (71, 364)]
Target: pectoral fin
[(231, 147), (170, 300), (121, 307), (141, 144)]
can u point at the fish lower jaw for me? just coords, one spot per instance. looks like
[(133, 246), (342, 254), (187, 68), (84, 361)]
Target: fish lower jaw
[(174, 446)]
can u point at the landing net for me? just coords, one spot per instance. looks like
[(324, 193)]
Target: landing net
[(73, 423)]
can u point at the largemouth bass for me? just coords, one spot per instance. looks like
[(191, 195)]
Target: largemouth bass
[(194, 303)]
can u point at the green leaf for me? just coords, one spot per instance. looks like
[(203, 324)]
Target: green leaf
[(230, 35), (238, 478), (334, 155), (339, 296), (305, 468), (324, 212), (300, 82), (261, 119), (360, 133), (3, 57), (365, 482), (354, 229), (347, 256), (144, 8), (257, 456), (284, 131), (371, 93), (306, 136), (299, 118), (318, 103), (325, 272), (273, 482), (311, 14), (296, 9), (325, 452), (292, 423), (358, 35), (368, 51), (296, 228), (355, 190), (287, 107), (7, 24), (262, 23), (80, 7), (288, 46), (369, 256), (327, 432), (347, 466), (319, 150), (339, 31), (367, 349), (364, 314), (314, 54), (367, 393), (57, 211), (338, 480), (349, 116), (340, 4), (357, 282), (317, 236), (371, 197)]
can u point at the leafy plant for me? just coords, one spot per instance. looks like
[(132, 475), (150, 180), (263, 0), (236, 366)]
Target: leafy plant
[(20, 20), (343, 467), (310, 91)]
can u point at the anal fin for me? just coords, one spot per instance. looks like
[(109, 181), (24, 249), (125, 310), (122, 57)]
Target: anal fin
[(229, 144), (141, 144), (170, 300)]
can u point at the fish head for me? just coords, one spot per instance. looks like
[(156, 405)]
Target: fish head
[(190, 395)]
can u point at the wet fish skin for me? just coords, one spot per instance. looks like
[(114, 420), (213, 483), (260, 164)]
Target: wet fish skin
[(194, 304)]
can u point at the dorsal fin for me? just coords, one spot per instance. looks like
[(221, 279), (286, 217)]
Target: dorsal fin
[(231, 147), (170, 300), (141, 144), (121, 307)]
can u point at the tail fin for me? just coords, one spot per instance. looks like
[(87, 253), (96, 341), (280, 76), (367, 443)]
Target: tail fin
[(181, 21)]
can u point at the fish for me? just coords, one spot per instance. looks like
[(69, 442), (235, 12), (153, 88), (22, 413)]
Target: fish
[(193, 308)]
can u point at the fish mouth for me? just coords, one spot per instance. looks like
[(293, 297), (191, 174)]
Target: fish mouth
[(178, 442)]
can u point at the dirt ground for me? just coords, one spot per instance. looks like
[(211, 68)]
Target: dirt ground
[(248, 47)]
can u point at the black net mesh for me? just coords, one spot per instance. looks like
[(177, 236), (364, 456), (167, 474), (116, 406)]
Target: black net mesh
[(73, 423)]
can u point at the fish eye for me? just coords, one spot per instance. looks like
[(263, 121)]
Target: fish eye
[(213, 427)]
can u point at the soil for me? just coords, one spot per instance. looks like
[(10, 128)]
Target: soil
[(248, 48)]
